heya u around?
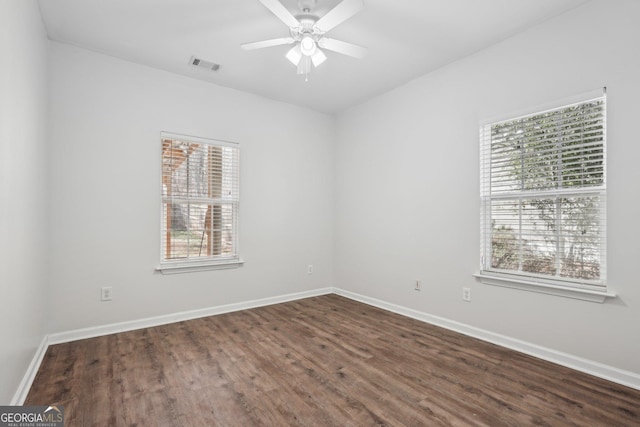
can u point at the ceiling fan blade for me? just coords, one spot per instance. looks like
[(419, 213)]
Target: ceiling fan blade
[(267, 43), (281, 12), (339, 14), (318, 58), (343, 47)]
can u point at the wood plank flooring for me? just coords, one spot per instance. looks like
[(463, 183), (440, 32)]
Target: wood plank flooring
[(323, 361)]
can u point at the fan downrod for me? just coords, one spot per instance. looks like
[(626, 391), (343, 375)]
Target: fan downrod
[(306, 6)]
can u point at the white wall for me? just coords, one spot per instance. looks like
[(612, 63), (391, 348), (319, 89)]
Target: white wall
[(107, 115), (407, 185), (23, 171), (398, 177)]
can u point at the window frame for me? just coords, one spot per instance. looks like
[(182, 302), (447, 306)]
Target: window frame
[(589, 290), (216, 262)]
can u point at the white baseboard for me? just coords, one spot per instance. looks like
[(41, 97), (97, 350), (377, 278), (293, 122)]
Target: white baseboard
[(626, 378), (79, 334), (114, 328), (25, 385)]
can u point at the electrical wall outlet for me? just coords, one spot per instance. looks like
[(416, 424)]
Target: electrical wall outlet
[(418, 285), (105, 293), (466, 294), (310, 269)]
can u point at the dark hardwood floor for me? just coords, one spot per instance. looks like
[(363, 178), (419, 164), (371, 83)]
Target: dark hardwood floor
[(324, 361)]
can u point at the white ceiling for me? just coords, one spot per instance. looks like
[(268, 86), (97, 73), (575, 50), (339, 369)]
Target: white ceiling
[(406, 38)]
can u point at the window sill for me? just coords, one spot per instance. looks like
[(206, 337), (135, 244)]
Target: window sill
[(192, 268), (544, 288)]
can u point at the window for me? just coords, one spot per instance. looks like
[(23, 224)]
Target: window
[(543, 197), (200, 198)]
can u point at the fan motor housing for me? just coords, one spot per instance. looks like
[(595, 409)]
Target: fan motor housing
[(307, 20), (307, 26)]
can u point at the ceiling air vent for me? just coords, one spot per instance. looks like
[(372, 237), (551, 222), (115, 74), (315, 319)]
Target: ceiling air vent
[(203, 63)]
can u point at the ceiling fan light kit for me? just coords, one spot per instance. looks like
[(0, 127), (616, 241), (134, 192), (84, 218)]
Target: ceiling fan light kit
[(308, 45), (308, 31)]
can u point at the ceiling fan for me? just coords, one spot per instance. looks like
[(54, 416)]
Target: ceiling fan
[(308, 30)]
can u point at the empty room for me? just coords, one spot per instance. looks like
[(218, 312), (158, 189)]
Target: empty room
[(319, 212)]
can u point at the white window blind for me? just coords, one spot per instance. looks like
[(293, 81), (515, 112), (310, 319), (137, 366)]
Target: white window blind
[(543, 196), (200, 200)]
